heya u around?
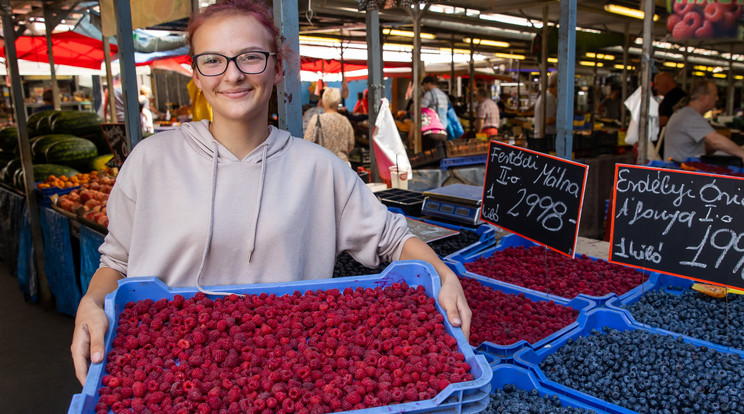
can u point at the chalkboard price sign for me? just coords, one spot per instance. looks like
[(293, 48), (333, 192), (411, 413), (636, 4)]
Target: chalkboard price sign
[(535, 195), (684, 223), (116, 137)]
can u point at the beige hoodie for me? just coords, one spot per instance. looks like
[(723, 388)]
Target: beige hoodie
[(282, 213)]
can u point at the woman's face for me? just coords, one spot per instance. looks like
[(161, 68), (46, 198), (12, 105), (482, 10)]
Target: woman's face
[(235, 96)]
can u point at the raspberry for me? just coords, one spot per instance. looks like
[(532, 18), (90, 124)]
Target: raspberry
[(713, 12), (704, 31), (411, 394)]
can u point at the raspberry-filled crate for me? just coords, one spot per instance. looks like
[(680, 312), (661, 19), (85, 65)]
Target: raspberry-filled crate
[(520, 262), (508, 318), (316, 343), (519, 389), (614, 366), (470, 240), (671, 306)]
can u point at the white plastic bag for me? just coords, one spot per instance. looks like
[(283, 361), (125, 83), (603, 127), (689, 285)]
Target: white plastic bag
[(389, 149), (633, 103)]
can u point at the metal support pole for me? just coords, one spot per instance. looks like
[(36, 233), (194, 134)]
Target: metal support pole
[(45, 294), (544, 71), (452, 67), (374, 82), (50, 23), (109, 80), (646, 68), (288, 89), (685, 54), (129, 91), (566, 65), (416, 16), (730, 86), (624, 83), (471, 89)]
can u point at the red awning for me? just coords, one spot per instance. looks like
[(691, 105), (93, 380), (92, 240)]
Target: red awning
[(69, 48)]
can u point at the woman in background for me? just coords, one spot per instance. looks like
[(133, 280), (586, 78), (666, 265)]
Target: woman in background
[(331, 129)]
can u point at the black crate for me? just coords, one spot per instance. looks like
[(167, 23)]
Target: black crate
[(408, 201)]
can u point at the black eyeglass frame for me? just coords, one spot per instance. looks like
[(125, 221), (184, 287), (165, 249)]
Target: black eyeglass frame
[(233, 59)]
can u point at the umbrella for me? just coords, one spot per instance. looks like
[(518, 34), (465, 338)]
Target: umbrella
[(69, 48)]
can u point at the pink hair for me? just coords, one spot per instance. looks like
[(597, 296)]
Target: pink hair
[(257, 9)]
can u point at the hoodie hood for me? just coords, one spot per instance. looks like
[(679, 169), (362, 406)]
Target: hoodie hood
[(202, 141), (199, 137)]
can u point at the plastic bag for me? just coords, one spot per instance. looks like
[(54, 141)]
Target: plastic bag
[(389, 149), (454, 127)]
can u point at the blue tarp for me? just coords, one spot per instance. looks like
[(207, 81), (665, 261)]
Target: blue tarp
[(11, 214), (27, 277), (90, 258), (58, 261)]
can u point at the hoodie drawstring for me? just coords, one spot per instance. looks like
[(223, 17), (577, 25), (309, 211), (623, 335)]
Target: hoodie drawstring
[(215, 158), (252, 246)]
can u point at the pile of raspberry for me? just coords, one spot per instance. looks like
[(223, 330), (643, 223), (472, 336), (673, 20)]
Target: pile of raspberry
[(318, 352), (547, 271), (505, 318)]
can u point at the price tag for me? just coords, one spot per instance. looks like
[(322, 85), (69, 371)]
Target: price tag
[(116, 137), (535, 195), (688, 224)]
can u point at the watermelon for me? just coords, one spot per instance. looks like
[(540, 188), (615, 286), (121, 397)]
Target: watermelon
[(8, 172), (40, 122), (9, 139), (41, 172), (40, 144), (73, 152), (76, 123)]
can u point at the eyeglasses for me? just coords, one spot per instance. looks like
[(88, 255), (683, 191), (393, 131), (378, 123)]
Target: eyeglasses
[(215, 64)]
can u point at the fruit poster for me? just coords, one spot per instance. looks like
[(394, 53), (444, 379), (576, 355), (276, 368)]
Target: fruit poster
[(705, 19), (684, 223), (535, 195)]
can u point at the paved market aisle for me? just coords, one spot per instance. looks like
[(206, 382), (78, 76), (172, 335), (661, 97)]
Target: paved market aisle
[(36, 373)]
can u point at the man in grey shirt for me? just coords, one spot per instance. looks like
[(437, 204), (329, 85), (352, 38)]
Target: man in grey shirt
[(689, 135), (550, 108)]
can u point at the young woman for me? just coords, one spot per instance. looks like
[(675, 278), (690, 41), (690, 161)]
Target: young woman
[(236, 201)]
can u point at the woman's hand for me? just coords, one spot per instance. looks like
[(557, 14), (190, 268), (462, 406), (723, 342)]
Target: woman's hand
[(91, 325), (452, 299), (91, 322)]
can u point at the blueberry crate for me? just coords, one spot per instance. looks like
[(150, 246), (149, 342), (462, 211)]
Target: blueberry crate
[(513, 240), (408, 201), (524, 379), (505, 353), (596, 319), (465, 397), (672, 285)]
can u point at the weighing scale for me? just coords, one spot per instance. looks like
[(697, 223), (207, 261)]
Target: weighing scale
[(457, 202)]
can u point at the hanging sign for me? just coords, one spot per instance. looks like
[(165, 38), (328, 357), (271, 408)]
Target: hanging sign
[(684, 223), (116, 137), (535, 195)]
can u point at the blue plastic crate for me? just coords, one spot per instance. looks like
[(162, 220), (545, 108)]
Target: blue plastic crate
[(45, 195), (462, 161), (465, 397), (505, 353), (663, 164), (596, 319), (524, 379), (513, 240), (672, 285)]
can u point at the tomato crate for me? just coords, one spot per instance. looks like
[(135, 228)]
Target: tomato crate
[(462, 397), (505, 352), (513, 240), (596, 321), (525, 379), (674, 286)]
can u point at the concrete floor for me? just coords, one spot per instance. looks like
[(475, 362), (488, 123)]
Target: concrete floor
[(36, 371)]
